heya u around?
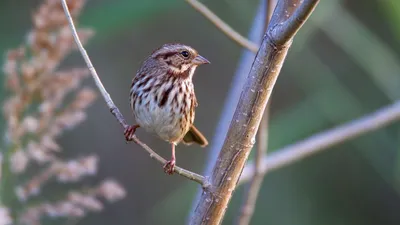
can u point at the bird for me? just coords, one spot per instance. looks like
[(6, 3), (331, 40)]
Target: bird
[(163, 100)]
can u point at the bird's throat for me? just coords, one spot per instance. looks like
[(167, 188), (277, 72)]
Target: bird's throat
[(185, 72)]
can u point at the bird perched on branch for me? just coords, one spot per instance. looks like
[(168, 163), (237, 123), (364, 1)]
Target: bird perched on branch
[(162, 97)]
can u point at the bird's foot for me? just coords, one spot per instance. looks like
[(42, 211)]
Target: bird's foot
[(130, 131), (169, 167)]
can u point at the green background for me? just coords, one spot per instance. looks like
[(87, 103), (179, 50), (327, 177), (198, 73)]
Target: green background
[(343, 64)]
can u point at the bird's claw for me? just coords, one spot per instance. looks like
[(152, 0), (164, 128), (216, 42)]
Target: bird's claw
[(129, 132), (169, 167)]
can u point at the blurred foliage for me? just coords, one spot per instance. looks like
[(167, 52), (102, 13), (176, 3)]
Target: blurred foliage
[(344, 63)]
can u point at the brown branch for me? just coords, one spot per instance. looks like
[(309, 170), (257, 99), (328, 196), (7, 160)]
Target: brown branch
[(114, 109), (255, 95), (255, 35), (253, 188), (255, 181), (291, 15), (225, 28), (323, 140)]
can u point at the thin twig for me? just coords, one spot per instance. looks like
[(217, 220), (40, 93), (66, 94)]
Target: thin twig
[(220, 24), (270, 9), (253, 188), (114, 109), (323, 140)]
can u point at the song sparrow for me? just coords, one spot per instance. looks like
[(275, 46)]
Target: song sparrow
[(162, 97)]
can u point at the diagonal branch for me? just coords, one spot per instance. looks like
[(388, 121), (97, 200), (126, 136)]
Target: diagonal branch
[(225, 28), (253, 188), (323, 140), (114, 109), (255, 35), (257, 177), (255, 95)]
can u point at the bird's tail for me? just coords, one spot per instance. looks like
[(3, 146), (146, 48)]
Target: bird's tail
[(194, 136)]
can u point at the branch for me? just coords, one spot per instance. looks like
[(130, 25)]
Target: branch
[(291, 15), (247, 57), (325, 139), (115, 111), (225, 28), (241, 134), (253, 188), (257, 177)]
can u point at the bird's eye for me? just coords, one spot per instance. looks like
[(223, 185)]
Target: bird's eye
[(185, 54)]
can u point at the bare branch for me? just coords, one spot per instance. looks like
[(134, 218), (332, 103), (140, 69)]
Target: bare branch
[(241, 134), (225, 28), (255, 182), (323, 140), (291, 15), (254, 186), (114, 109), (233, 95)]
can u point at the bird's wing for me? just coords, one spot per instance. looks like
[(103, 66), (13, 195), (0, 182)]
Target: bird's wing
[(195, 103)]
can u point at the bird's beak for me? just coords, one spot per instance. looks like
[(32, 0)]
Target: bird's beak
[(200, 60)]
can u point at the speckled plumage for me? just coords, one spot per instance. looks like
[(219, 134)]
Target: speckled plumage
[(162, 94)]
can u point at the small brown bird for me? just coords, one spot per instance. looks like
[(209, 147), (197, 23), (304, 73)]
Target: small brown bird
[(162, 97)]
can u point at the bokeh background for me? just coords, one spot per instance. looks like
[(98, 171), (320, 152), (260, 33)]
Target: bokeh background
[(343, 64)]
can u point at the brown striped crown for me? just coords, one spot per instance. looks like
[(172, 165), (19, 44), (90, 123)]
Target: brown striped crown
[(181, 59)]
